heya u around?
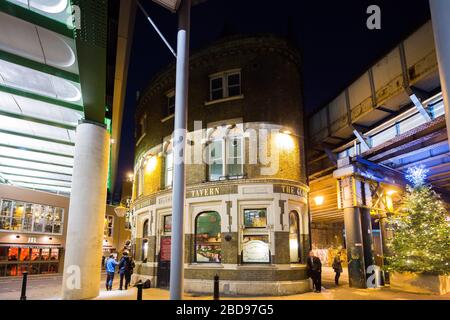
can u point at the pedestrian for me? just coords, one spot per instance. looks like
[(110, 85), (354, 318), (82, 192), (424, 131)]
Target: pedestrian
[(314, 271), (111, 264), (337, 267), (126, 267)]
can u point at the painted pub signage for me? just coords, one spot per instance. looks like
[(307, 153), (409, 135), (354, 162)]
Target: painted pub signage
[(289, 189)]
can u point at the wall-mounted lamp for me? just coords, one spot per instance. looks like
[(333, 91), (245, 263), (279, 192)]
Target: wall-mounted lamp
[(151, 163), (391, 192), (319, 200)]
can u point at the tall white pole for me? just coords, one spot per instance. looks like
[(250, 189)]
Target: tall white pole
[(440, 16), (179, 146)]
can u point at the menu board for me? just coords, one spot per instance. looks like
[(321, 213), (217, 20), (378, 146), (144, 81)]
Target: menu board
[(256, 251), (164, 253)]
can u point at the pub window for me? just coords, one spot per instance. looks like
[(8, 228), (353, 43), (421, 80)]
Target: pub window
[(294, 237), (208, 238), (225, 85), (255, 218), (235, 165), (167, 224), (170, 103), (145, 229), (168, 170), (145, 241), (216, 167), (255, 236)]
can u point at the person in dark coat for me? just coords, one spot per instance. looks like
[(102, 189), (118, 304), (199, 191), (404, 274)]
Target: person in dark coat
[(126, 266), (314, 271), (337, 267)]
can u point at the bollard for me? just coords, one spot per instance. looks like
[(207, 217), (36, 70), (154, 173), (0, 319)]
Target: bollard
[(23, 294), (216, 287), (139, 286)]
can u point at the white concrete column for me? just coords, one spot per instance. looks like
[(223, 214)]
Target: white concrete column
[(82, 266), (440, 16)]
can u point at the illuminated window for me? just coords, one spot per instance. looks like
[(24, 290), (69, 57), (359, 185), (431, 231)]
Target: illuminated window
[(54, 255), (13, 254), (5, 215), (216, 167), (109, 225), (144, 253), (225, 85), (167, 224), (255, 218), (255, 236), (24, 254), (35, 254), (235, 165), (145, 229), (294, 237), (208, 237), (45, 254), (168, 170)]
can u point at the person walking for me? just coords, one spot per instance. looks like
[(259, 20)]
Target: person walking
[(126, 267), (337, 267), (314, 271), (110, 265)]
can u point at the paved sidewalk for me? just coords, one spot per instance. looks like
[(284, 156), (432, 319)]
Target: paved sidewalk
[(49, 288)]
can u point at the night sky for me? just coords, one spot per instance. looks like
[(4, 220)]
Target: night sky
[(331, 35)]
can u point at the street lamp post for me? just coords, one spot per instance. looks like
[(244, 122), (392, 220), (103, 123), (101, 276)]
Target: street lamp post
[(183, 8), (179, 145)]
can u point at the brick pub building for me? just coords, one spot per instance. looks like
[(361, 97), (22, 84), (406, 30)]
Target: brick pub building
[(246, 202)]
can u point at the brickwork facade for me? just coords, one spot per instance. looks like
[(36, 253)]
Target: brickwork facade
[(238, 222)]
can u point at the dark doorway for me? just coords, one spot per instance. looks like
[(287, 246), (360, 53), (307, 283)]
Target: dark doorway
[(164, 263)]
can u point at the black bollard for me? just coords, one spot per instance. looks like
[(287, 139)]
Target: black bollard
[(216, 287), (139, 286), (23, 294)]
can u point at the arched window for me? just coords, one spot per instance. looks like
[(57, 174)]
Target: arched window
[(145, 229), (208, 237), (294, 237), (145, 241)]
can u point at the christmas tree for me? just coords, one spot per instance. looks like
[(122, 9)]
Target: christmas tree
[(421, 230)]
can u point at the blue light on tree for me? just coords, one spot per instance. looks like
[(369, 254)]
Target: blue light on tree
[(417, 175)]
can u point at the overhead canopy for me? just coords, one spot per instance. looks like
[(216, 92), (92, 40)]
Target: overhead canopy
[(41, 98)]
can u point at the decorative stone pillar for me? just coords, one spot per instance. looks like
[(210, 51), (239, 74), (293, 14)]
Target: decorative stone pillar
[(82, 265), (354, 198)]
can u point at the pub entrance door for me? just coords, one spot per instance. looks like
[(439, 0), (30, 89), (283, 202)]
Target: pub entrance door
[(164, 263)]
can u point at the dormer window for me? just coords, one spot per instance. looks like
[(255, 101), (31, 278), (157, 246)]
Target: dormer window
[(225, 85)]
